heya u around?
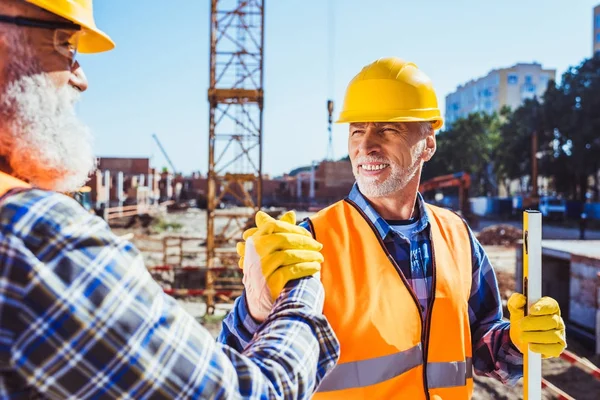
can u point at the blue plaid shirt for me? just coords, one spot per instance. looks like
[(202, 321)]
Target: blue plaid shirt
[(81, 318), (494, 355)]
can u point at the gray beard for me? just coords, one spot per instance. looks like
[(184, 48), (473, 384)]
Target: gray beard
[(41, 138), (398, 178)]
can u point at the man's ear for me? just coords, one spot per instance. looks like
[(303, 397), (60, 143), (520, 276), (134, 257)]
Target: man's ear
[(430, 147)]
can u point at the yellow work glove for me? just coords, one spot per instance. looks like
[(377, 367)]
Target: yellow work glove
[(275, 252), (542, 329)]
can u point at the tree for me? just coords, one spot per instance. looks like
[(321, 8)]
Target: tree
[(573, 118), (513, 154)]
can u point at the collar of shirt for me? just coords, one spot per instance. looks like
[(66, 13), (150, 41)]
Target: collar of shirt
[(383, 228)]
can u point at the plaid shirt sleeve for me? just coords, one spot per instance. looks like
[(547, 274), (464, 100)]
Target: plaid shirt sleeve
[(81, 317), (239, 327), (494, 355)]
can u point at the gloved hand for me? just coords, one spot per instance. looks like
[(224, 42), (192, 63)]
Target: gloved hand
[(275, 252), (543, 328)]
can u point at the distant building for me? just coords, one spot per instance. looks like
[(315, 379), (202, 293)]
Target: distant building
[(596, 29), (118, 180), (505, 86), (127, 165), (324, 184)]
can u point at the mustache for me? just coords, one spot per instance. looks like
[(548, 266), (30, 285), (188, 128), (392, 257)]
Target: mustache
[(372, 159)]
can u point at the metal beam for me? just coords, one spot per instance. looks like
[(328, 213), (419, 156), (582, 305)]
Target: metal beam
[(235, 91)]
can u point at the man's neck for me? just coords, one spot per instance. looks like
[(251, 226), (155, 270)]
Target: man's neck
[(399, 205)]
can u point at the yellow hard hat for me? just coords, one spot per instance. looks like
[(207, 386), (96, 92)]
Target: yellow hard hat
[(391, 90), (80, 12)]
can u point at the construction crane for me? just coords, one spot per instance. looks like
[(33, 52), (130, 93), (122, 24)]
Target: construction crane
[(235, 131), (164, 152), (330, 77)]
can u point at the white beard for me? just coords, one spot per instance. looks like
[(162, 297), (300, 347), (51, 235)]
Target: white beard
[(41, 138), (396, 180)]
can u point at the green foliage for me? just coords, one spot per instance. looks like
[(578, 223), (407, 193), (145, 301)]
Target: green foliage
[(572, 116), (296, 171), (469, 146), (513, 153), (159, 225)]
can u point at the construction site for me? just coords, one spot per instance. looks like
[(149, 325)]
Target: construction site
[(187, 226)]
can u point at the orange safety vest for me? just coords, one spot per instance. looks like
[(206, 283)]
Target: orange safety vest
[(8, 182), (377, 316)]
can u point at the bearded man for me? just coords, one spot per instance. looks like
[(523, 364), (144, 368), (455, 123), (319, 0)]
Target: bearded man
[(80, 316)]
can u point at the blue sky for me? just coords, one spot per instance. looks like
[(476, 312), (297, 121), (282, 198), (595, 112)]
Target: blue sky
[(155, 81)]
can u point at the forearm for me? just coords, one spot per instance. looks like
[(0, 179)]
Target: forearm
[(495, 356), (160, 351), (311, 347), (238, 327)]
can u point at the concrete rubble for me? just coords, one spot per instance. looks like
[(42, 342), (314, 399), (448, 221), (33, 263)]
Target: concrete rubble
[(500, 235)]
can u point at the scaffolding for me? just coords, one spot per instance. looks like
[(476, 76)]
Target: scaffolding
[(235, 95)]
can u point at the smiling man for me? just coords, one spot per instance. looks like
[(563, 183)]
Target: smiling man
[(409, 290)]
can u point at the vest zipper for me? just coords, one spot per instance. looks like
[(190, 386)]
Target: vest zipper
[(426, 330), (424, 324)]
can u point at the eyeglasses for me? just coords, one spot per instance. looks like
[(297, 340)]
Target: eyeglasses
[(66, 34)]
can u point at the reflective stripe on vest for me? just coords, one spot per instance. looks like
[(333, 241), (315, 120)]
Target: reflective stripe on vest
[(369, 372), (449, 374), (376, 370)]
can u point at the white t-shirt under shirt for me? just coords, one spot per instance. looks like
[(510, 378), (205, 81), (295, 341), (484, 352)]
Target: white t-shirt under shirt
[(405, 227)]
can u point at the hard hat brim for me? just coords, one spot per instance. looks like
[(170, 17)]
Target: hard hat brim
[(436, 122), (93, 39)]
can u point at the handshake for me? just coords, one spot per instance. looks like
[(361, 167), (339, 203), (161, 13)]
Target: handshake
[(272, 254)]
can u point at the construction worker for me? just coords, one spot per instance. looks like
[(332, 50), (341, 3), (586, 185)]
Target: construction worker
[(80, 316), (409, 290)]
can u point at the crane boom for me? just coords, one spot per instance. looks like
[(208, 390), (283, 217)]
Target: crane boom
[(162, 149)]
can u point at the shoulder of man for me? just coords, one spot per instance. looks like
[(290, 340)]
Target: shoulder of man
[(448, 216), (35, 214), (307, 222), (444, 213)]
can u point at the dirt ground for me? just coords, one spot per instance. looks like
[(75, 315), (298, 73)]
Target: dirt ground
[(193, 224)]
